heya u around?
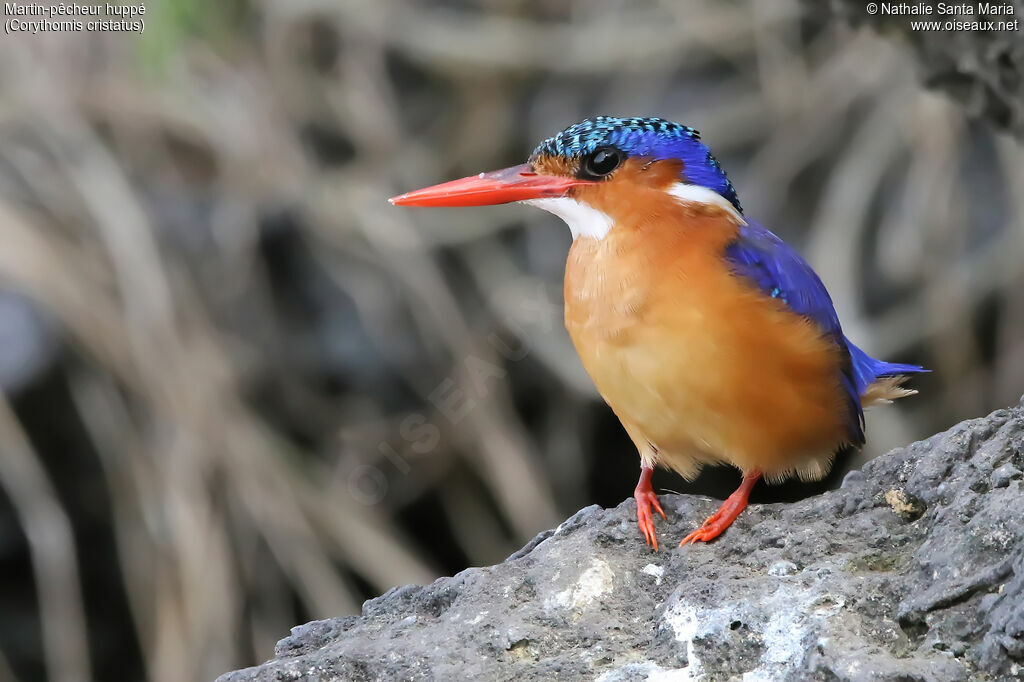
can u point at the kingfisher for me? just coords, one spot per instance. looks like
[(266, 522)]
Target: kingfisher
[(712, 340)]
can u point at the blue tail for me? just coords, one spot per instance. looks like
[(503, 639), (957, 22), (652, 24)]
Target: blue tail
[(867, 369)]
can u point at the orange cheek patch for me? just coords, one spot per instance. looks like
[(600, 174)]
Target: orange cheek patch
[(635, 194), (646, 173), (635, 191)]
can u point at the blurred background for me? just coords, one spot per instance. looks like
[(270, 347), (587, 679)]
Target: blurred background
[(240, 391)]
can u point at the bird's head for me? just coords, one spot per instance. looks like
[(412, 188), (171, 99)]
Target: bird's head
[(595, 172)]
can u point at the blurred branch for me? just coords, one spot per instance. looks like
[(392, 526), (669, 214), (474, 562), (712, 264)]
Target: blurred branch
[(632, 42), (982, 70), (52, 550)]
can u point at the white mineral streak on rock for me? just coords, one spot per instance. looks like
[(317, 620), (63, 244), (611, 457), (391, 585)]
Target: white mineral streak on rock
[(782, 622), (657, 571), (596, 581)]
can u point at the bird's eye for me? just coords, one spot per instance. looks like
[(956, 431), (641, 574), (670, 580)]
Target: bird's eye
[(600, 163)]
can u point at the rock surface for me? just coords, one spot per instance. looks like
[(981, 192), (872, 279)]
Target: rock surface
[(913, 570)]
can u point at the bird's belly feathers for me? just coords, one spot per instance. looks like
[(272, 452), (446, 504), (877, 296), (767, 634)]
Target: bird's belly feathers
[(699, 364)]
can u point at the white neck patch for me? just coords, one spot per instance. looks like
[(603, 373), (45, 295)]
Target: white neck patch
[(583, 220), (695, 194), (586, 221)]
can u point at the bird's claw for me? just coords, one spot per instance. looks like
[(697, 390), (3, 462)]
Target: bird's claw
[(645, 499), (705, 533), (716, 524), (712, 527)]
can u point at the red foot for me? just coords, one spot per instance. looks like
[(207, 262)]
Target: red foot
[(726, 514), (645, 499)]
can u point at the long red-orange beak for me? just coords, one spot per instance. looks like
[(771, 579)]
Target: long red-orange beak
[(517, 183)]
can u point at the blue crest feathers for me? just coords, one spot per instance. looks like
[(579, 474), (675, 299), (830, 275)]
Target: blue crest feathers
[(656, 138)]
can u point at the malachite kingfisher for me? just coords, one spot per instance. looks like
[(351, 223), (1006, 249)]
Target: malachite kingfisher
[(711, 339)]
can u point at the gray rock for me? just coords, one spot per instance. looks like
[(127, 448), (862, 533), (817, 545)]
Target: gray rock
[(913, 570)]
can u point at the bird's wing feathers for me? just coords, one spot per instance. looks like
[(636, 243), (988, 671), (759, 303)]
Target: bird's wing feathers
[(780, 272)]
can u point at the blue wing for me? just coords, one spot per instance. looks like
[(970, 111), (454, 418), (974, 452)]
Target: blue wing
[(780, 272)]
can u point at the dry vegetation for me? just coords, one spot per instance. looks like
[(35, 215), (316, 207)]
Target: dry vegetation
[(255, 344)]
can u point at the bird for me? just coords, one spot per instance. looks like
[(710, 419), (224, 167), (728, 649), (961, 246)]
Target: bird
[(711, 339)]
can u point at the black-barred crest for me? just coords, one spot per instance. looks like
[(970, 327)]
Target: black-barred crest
[(653, 137)]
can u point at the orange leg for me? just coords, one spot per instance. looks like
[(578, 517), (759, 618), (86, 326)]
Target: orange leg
[(645, 499), (727, 513)]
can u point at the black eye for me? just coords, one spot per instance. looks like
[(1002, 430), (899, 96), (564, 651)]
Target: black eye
[(600, 163)]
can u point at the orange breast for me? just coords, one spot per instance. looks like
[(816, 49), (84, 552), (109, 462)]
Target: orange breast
[(696, 361)]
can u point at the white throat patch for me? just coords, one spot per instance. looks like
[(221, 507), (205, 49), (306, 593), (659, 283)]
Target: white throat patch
[(583, 220)]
